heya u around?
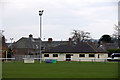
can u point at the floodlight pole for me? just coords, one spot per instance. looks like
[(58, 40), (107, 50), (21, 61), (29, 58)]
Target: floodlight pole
[(40, 14)]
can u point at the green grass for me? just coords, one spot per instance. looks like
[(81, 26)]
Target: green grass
[(60, 70)]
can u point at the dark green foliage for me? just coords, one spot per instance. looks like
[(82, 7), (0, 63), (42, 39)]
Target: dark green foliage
[(10, 52), (113, 50), (106, 38), (110, 51)]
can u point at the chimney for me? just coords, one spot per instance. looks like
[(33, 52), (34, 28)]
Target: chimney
[(70, 41), (30, 36), (49, 40)]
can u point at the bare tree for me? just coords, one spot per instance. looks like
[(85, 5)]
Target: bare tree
[(116, 34), (79, 36)]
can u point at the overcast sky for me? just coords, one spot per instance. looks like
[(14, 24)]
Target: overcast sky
[(21, 18)]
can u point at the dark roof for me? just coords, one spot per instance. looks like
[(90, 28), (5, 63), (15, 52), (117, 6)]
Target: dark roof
[(57, 46), (34, 43), (23, 43), (107, 46), (82, 47)]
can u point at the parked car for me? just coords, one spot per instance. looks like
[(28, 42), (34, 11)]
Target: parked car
[(114, 57)]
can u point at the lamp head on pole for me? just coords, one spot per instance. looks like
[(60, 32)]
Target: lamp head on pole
[(11, 38), (41, 12)]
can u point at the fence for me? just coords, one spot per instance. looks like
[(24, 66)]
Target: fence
[(37, 58), (77, 59), (20, 57)]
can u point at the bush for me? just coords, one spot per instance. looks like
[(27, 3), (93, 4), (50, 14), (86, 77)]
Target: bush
[(113, 50)]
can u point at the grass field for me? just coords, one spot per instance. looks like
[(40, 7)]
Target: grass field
[(60, 70)]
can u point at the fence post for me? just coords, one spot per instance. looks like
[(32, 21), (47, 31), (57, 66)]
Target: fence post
[(118, 61), (79, 60), (105, 61), (92, 60)]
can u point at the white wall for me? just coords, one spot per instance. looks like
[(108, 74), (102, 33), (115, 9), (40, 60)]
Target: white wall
[(61, 57), (75, 57)]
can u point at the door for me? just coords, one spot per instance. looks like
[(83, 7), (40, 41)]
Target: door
[(98, 56), (68, 57)]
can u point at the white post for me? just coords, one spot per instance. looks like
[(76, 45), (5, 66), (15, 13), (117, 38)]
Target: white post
[(119, 24), (119, 13)]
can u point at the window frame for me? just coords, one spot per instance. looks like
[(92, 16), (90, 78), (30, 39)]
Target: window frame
[(54, 55), (81, 54), (45, 55), (91, 54)]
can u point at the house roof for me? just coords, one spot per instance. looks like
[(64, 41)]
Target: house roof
[(33, 43), (23, 43), (110, 46), (82, 47), (57, 46)]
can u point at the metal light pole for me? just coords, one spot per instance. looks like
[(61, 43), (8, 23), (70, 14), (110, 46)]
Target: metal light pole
[(40, 14), (11, 46)]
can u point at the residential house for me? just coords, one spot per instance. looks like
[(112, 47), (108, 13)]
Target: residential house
[(31, 46), (57, 49)]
